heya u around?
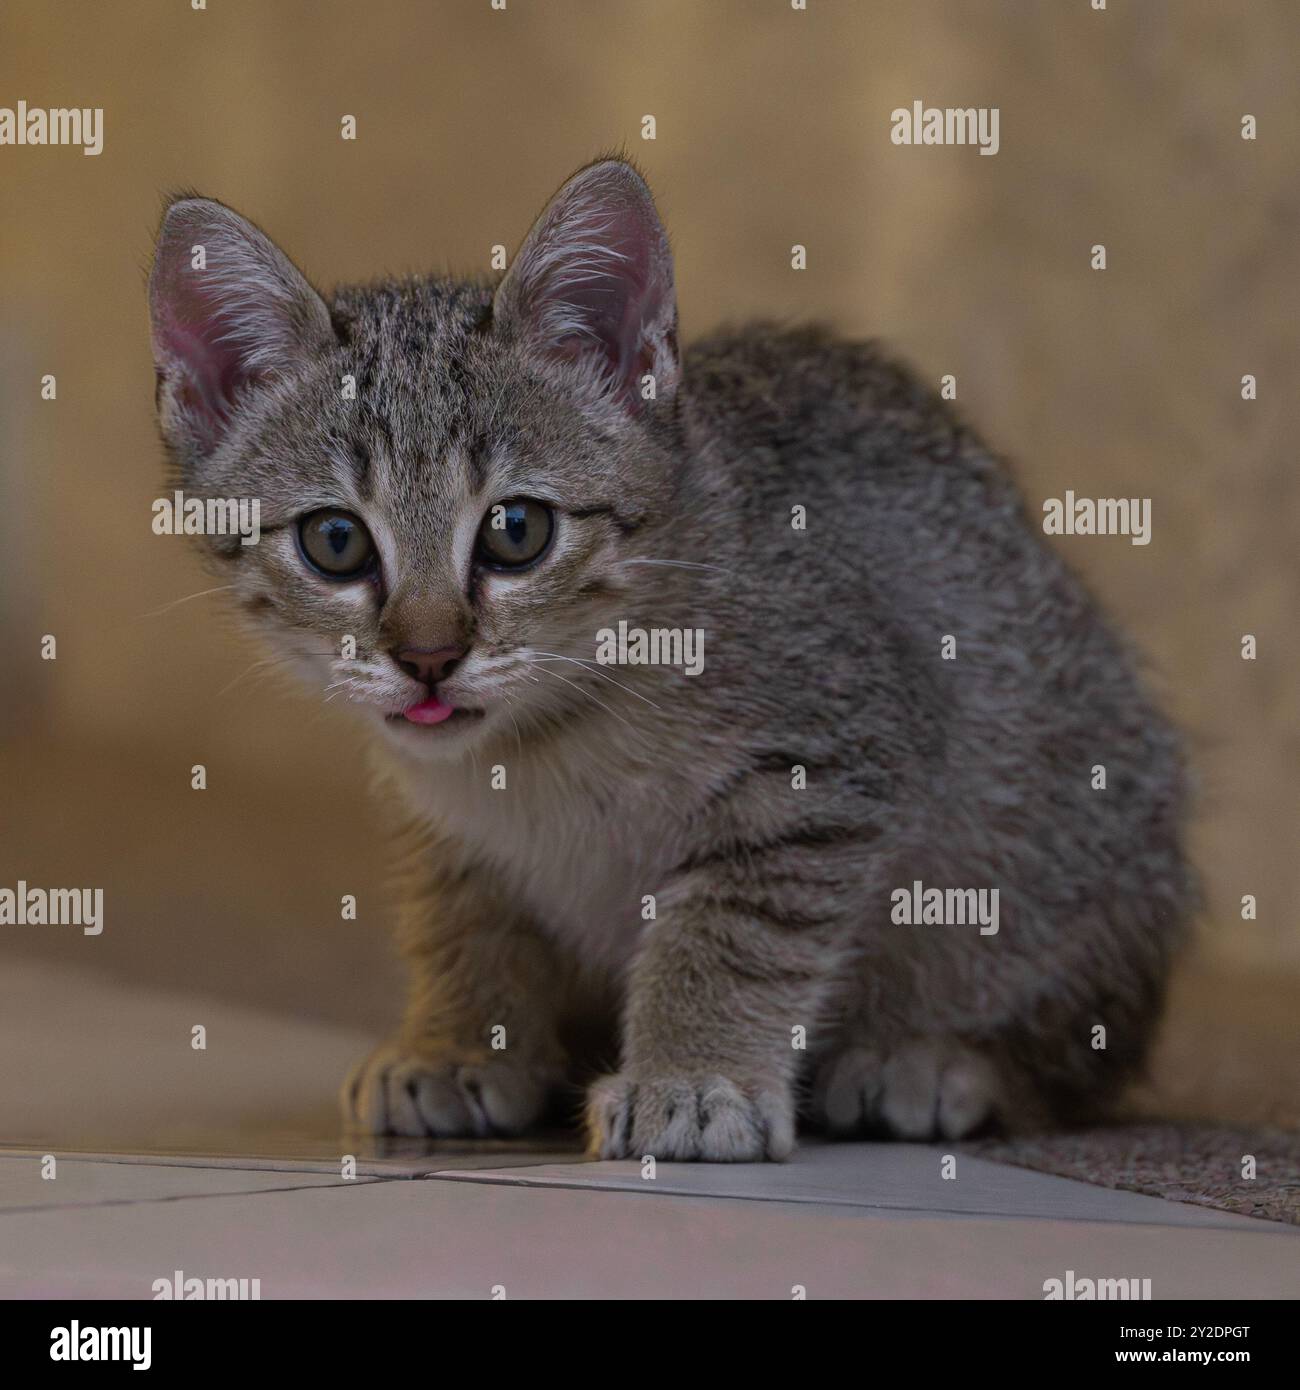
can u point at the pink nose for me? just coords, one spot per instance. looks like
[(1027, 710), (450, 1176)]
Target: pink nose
[(429, 666)]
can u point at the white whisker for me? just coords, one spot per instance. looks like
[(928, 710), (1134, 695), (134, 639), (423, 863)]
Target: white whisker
[(679, 564), (588, 694), (595, 670), (519, 738), (176, 603), (266, 661)]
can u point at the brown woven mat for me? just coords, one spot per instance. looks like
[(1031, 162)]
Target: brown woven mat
[(1183, 1163)]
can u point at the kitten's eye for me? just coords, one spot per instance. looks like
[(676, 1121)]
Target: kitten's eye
[(335, 544), (515, 533)]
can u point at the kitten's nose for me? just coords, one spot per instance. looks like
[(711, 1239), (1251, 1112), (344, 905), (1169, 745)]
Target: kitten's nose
[(429, 666)]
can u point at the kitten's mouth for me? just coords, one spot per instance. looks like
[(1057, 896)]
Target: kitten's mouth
[(433, 712)]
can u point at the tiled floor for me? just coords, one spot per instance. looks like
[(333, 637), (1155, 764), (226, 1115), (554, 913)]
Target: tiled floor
[(853, 1220), (222, 1164)]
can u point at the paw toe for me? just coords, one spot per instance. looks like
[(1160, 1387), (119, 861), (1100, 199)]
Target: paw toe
[(921, 1090), (711, 1119), (400, 1092)]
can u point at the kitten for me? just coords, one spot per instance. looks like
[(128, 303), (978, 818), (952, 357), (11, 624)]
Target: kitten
[(713, 868)]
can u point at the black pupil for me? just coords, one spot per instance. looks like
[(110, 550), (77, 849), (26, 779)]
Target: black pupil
[(338, 533), (516, 525)]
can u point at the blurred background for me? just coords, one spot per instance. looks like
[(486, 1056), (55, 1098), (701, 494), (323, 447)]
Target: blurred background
[(772, 128)]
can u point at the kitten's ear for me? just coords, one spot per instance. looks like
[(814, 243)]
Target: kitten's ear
[(229, 310), (593, 285)]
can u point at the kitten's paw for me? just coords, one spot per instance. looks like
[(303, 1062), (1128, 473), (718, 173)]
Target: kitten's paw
[(397, 1090), (689, 1117), (922, 1090)]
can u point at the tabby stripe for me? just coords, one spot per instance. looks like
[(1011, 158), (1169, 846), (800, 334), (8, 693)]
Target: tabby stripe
[(783, 919), (809, 837)]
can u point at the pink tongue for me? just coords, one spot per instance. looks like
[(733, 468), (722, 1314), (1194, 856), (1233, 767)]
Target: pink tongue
[(432, 711)]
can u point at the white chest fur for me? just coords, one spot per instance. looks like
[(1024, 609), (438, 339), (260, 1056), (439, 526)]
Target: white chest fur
[(579, 849)]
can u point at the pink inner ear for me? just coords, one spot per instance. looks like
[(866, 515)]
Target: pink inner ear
[(600, 291), (614, 305), (212, 374), (247, 314), (199, 351)]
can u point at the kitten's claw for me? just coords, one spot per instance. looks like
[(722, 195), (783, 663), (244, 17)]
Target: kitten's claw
[(922, 1090), (705, 1118), (412, 1093)]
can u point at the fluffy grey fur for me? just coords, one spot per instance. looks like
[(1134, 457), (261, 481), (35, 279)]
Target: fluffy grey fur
[(654, 890)]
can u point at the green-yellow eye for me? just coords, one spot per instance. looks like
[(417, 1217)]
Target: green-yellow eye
[(335, 544), (514, 534)]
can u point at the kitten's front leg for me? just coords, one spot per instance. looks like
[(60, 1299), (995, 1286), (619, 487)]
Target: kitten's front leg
[(730, 972), (478, 1052)]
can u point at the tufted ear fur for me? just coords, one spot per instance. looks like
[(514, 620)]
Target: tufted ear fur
[(592, 285)]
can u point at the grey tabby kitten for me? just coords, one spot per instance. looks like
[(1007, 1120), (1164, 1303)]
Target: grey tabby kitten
[(684, 874)]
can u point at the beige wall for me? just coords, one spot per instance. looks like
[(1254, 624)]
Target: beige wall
[(1118, 127)]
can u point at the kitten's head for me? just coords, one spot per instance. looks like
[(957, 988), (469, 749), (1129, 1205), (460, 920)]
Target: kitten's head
[(456, 477)]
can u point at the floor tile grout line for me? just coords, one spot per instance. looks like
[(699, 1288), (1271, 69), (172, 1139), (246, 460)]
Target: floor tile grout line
[(366, 1181), (201, 1164), (252, 1164), (1265, 1226), (235, 1165), (1259, 1225), (874, 1209)]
